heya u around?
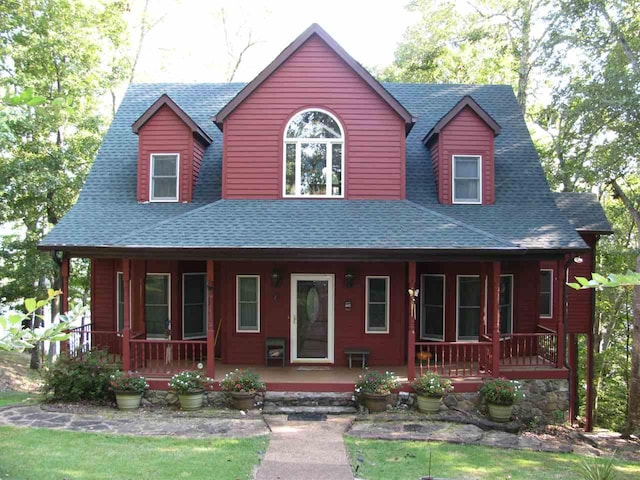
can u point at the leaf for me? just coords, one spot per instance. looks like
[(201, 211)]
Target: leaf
[(30, 304)]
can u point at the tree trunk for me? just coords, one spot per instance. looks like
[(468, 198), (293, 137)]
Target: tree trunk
[(524, 67), (633, 420)]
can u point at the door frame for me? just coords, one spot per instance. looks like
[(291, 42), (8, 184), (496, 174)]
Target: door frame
[(293, 339)]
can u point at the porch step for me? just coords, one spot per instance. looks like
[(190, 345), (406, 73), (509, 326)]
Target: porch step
[(285, 403)]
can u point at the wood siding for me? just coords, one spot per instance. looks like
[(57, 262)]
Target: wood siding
[(314, 76), (103, 294), (165, 132), (581, 301), (466, 134)]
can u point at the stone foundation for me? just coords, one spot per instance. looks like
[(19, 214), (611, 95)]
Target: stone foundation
[(215, 399)]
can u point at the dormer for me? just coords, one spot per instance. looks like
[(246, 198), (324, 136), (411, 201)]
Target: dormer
[(462, 152), (170, 150)]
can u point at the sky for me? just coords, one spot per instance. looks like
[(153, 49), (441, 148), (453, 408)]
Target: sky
[(188, 42)]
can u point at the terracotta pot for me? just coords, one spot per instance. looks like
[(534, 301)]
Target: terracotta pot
[(376, 402), (191, 400), (499, 413), (428, 404), (242, 400), (128, 400)]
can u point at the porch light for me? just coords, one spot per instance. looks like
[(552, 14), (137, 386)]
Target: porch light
[(275, 277), (349, 277), (578, 259)]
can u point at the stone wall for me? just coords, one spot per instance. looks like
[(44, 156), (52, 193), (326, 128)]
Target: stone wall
[(215, 399)]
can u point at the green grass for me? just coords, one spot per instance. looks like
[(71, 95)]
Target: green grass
[(380, 459), (11, 398), (48, 454)]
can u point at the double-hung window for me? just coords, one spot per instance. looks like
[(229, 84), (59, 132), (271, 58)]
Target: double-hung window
[(164, 177), (377, 305), (248, 303), (157, 294), (313, 156), (467, 174), (506, 304), (432, 312), (546, 293), (469, 310), (194, 305)]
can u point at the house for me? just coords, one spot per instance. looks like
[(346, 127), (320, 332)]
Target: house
[(315, 212)]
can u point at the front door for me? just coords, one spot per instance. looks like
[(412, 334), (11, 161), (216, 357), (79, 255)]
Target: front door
[(312, 318)]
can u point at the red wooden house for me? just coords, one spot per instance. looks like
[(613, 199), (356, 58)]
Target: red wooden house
[(315, 211)]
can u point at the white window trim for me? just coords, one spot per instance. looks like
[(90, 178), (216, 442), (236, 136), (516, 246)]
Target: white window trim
[(423, 291), (458, 339), (366, 304), (118, 299), (238, 330), (453, 181), (168, 275), (510, 303), (152, 198), (550, 270), (298, 141), (206, 301)]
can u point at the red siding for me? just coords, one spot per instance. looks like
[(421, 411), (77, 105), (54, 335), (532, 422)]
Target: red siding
[(103, 294), (314, 76), (466, 134), (198, 153), (580, 301), (166, 133)]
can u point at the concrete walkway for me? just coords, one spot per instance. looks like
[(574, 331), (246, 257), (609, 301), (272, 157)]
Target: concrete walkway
[(306, 450)]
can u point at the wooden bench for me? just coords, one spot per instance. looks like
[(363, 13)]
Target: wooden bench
[(363, 353)]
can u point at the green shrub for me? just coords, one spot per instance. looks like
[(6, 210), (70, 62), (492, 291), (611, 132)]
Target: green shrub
[(74, 379)]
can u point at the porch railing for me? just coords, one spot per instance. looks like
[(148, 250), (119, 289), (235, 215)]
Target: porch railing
[(538, 349), (455, 359), (84, 338), (167, 357)]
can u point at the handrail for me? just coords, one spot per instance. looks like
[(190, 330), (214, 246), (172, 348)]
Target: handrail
[(171, 342)]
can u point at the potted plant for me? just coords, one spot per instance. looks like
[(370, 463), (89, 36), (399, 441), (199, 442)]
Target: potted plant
[(500, 395), (242, 386), (430, 388), (189, 386), (128, 388), (374, 387)]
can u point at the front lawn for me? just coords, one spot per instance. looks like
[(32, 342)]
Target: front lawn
[(380, 459), (11, 398), (50, 454)]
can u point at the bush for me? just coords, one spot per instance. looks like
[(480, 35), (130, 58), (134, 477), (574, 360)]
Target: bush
[(74, 379), (188, 382), (127, 382), (432, 385), (242, 381), (500, 391), (375, 381)]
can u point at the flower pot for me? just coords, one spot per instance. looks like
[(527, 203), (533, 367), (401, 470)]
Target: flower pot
[(376, 402), (191, 400), (428, 404), (128, 400), (242, 400), (499, 413)]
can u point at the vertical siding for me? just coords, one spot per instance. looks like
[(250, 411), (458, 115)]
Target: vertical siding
[(314, 76), (436, 161), (466, 134), (103, 294), (165, 133), (198, 153), (580, 301)]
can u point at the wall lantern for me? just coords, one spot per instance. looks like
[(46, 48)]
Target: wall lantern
[(349, 277), (275, 277)]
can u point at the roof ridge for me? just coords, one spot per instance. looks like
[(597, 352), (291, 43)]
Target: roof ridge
[(463, 224)]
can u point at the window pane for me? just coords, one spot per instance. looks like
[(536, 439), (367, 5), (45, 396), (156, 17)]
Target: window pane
[(466, 189), (291, 169), (377, 316), (545, 281), (313, 124), (505, 290), (377, 289), (466, 167), (194, 320), (469, 291), (165, 187), (505, 319), (164, 165), (194, 288), (336, 169), (546, 297), (157, 318), (157, 289), (313, 180), (434, 289), (120, 302), (248, 289), (432, 321), (545, 304), (506, 309), (468, 321), (248, 315)]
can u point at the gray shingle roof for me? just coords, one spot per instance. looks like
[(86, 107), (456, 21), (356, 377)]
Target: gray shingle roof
[(524, 216), (583, 210)]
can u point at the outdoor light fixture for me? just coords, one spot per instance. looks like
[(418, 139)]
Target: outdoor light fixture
[(349, 277), (578, 259), (275, 277)]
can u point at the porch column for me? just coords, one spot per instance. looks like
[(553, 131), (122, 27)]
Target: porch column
[(561, 279), (64, 297), (589, 410), (211, 350), (411, 331), (126, 332), (494, 297), (573, 378)]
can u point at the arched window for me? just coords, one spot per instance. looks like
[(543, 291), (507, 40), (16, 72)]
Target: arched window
[(313, 155)]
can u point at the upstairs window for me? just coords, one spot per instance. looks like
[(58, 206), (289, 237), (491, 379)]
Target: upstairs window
[(314, 156), (164, 177), (467, 187)]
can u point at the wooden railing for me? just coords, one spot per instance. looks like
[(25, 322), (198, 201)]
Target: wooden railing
[(167, 357), (84, 338), (455, 359), (529, 349)]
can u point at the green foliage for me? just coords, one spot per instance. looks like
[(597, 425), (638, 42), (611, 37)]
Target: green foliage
[(595, 469), (188, 382), (120, 381), (241, 380), (375, 381), (500, 391), (432, 385), (79, 378)]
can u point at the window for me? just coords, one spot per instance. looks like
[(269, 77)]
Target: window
[(248, 308), (468, 307), (546, 293), (164, 177), (313, 156), (120, 301), (506, 303), (194, 305), (432, 298), (377, 306), (467, 187), (157, 310)]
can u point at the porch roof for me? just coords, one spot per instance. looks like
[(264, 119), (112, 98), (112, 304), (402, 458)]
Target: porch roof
[(524, 216)]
